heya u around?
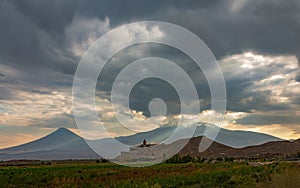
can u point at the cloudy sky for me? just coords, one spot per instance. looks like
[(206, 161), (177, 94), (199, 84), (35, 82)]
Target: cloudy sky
[(255, 42)]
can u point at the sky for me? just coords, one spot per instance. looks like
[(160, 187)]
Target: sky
[(256, 44)]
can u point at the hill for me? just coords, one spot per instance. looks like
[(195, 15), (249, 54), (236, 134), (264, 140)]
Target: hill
[(275, 148)]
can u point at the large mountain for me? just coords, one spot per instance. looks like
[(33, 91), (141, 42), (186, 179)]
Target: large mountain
[(236, 139), (64, 144)]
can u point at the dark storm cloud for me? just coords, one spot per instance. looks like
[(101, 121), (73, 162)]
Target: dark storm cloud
[(268, 26), (151, 88), (25, 40), (50, 16), (131, 10), (33, 39), (266, 119), (228, 26)]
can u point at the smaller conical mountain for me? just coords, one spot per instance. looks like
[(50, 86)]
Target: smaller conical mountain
[(61, 144)]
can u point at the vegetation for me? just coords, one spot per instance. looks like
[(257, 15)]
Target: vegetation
[(190, 174), (188, 158)]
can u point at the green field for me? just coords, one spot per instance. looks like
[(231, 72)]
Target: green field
[(92, 174)]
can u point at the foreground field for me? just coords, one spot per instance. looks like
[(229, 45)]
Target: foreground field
[(92, 174)]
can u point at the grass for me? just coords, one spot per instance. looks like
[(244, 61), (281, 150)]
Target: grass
[(92, 174)]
